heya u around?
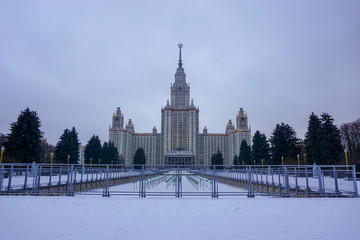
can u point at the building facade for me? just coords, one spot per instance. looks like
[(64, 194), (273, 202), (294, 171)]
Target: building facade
[(179, 142)]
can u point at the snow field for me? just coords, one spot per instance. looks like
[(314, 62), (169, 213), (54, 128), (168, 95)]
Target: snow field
[(115, 218)]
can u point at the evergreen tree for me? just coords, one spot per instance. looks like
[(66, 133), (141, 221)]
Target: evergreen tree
[(75, 144), (313, 139), (139, 158), (284, 143), (245, 153), (260, 148), (331, 148), (24, 140), (68, 145), (109, 153), (236, 160), (92, 150), (217, 159)]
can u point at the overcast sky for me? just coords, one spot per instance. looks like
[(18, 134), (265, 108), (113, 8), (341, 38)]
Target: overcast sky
[(74, 62)]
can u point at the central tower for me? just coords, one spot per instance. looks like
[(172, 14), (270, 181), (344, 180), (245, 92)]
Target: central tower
[(179, 122), (180, 90)]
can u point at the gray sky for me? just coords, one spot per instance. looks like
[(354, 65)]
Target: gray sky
[(74, 62)]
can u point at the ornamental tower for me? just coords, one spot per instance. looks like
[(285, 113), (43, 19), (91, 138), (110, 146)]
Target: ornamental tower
[(241, 120), (180, 90), (179, 122), (118, 120)]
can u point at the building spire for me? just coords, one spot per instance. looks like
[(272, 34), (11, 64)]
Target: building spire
[(180, 45)]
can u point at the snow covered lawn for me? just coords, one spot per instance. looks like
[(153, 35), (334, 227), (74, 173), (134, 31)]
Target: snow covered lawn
[(95, 217)]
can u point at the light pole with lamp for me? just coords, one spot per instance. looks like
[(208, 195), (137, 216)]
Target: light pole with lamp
[(298, 157), (51, 158), (346, 159), (2, 154)]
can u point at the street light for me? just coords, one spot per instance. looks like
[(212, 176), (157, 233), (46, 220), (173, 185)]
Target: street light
[(2, 153), (305, 158), (51, 157), (68, 160), (346, 159), (298, 156)]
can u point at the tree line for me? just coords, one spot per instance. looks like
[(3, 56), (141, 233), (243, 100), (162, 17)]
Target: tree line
[(25, 144), (324, 143)]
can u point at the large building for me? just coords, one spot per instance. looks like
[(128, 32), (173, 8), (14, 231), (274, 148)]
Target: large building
[(179, 142)]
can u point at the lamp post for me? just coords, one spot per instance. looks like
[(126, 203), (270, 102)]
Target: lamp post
[(51, 157), (298, 157), (305, 158), (346, 159), (99, 162), (2, 154), (282, 161), (68, 160), (90, 162), (262, 163)]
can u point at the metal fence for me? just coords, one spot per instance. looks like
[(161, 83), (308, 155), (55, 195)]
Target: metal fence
[(178, 181)]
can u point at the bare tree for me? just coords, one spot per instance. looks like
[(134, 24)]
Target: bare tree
[(350, 137)]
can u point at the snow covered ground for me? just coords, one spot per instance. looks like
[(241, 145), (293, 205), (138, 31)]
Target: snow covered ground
[(130, 218), (95, 217)]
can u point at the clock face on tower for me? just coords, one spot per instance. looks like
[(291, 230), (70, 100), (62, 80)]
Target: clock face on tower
[(116, 118), (242, 119)]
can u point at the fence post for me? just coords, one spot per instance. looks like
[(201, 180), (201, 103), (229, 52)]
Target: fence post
[(177, 182), (297, 188), (50, 177), (82, 176), (286, 182), (9, 188), (2, 173), (272, 182), (180, 182), (250, 184), (356, 194), (70, 191), (320, 181), (106, 192), (60, 173), (214, 192), (35, 169), (39, 179), (142, 185), (337, 192), (307, 189)]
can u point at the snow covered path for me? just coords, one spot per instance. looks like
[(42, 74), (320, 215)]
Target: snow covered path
[(94, 217)]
